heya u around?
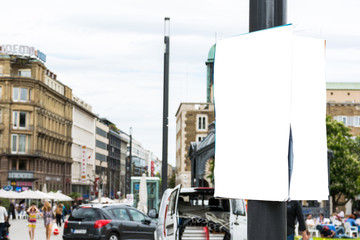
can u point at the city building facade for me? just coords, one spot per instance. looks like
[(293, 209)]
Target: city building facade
[(151, 160), (35, 125), (114, 149), (138, 161), (192, 121), (83, 135), (113, 159), (101, 156), (124, 138)]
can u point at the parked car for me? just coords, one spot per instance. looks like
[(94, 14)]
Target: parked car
[(108, 222), (194, 213)]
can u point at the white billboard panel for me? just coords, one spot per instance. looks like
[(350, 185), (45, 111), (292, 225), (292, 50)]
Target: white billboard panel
[(255, 87)]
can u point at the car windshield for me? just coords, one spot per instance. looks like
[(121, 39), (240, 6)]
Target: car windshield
[(85, 214)]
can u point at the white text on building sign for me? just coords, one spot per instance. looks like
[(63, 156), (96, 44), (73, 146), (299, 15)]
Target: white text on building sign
[(23, 51)]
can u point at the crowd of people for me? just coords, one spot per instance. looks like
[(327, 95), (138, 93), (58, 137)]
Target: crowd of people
[(334, 227), (51, 215)]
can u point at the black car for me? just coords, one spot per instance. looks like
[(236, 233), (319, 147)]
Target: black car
[(108, 222)]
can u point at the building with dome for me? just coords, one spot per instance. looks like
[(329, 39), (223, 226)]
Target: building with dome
[(192, 125)]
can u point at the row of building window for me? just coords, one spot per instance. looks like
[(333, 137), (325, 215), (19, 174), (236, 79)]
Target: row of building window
[(101, 145), (100, 157), (114, 141), (100, 170), (41, 166), (101, 132), (202, 122), (21, 94), (350, 121), (20, 119), (54, 125), (20, 143), (21, 72), (24, 72), (54, 85)]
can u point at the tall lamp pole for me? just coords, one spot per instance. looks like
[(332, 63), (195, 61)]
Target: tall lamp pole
[(165, 105), (267, 219), (128, 167)]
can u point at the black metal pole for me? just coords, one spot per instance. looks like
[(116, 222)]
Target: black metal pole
[(266, 219), (266, 14), (128, 168), (330, 156), (165, 106), (130, 160)]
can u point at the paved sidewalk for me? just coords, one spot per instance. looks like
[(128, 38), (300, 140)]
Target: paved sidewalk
[(19, 230)]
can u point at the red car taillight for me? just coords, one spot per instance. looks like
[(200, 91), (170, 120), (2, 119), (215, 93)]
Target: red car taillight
[(207, 234), (65, 225), (101, 223)]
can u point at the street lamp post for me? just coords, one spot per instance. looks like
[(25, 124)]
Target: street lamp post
[(130, 159), (128, 167), (267, 219), (165, 105)]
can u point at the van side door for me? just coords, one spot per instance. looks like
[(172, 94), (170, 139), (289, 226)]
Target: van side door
[(238, 219), (171, 215)]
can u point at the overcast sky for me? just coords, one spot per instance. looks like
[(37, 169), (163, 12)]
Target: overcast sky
[(110, 52)]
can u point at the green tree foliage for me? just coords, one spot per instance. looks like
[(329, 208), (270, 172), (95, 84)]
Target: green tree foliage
[(211, 169), (344, 166), (75, 195), (5, 202), (172, 182)]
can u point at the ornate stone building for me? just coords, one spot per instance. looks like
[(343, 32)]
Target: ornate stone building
[(192, 125), (35, 125)]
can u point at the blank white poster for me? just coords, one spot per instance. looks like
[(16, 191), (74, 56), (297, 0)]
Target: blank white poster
[(310, 175), (264, 82), (252, 76)]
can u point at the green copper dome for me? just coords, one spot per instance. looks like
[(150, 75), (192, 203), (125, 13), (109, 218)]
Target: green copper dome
[(211, 55)]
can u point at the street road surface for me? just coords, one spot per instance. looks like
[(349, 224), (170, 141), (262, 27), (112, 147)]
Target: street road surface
[(19, 230)]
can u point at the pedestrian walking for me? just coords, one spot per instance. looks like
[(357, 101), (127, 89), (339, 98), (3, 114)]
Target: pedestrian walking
[(63, 212), (48, 216), (3, 219), (58, 214), (294, 211), (12, 210), (32, 212)]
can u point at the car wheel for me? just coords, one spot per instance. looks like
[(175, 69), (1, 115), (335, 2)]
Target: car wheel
[(113, 236)]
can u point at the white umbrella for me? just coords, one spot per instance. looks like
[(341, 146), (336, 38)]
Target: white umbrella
[(143, 196), (8, 194), (30, 194), (43, 195), (60, 197)]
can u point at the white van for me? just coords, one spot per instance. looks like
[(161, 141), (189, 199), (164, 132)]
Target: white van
[(194, 213)]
